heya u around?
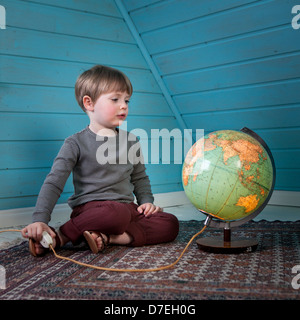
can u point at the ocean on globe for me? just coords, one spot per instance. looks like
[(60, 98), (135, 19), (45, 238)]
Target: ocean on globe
[(227, 174)]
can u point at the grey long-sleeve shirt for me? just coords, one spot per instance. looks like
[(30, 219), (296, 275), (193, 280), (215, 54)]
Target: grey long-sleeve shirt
[(104, 168)]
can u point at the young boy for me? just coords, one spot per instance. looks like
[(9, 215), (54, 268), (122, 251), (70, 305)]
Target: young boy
[(105, 177)]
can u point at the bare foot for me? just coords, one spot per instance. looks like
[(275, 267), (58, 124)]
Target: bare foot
[(98, 239), (121, 239), (39, 249)]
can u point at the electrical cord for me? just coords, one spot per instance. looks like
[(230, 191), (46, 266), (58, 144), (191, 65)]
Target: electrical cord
[(121, 270)]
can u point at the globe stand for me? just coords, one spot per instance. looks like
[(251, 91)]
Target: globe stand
[(227, 244)]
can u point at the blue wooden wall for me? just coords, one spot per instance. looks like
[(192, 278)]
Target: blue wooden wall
[(45, 46), (229, 64), (226, 64)]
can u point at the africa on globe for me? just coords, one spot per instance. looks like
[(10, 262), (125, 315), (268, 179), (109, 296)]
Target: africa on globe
[(227, 174)]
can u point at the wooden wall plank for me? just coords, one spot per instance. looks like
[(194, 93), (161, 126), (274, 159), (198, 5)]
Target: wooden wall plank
[(262, 44), (165, 13), (288, 179), (250, 96), (31, 43), (287, 158), (29, 15), (31, 71), (257, 71), (40, 127), (281, 138), (35, 98), (27, 201), (28, 154), (261, 15), (258, 118), (43, 127), (26, 98), (25, 182), (135, 4), (105, 7)]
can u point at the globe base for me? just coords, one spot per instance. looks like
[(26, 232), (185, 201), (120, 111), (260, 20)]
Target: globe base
[(217, 245)]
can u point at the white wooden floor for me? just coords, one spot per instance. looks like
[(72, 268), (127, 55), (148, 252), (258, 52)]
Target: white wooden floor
[(183, 212)]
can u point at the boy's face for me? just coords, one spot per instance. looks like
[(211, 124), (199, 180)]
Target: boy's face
[(109, 110)]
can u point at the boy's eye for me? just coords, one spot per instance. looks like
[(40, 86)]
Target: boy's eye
[(116, 100)]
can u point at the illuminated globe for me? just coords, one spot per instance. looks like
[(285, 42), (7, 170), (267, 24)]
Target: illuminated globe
[(229, 174)]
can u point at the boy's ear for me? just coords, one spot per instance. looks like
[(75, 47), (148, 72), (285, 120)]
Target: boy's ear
[(88, 103)]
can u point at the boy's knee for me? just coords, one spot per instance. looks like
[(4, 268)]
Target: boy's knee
[(173, 227), (170, 226)]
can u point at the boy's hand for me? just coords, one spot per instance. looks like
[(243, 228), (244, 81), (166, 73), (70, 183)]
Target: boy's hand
[(148, 209), (35, 230)]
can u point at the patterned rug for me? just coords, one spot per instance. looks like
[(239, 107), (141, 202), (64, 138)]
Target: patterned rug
[(264, 274)]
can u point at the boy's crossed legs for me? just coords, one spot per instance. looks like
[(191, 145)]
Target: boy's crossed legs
[(118, 223)]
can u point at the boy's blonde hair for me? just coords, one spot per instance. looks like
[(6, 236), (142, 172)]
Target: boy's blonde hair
[(99, 80)]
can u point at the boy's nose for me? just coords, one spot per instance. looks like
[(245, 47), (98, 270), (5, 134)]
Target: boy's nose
[(123, 105)]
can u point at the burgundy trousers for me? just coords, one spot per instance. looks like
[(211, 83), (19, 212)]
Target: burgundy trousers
[(115, 218)]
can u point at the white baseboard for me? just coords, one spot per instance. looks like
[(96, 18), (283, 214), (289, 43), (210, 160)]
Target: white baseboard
[(61, 212), (285, 198)]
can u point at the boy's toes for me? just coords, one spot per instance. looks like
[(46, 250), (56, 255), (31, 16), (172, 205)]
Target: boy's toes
[(100, 243), (98, 240)]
